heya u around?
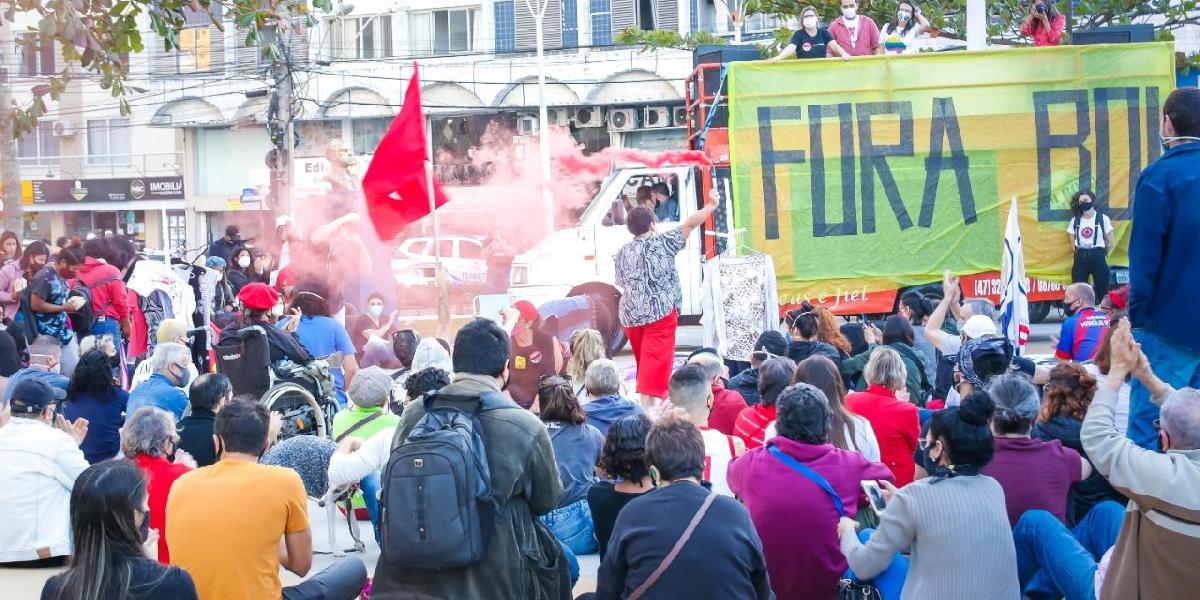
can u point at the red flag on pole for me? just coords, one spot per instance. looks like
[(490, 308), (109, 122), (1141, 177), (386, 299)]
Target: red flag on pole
[(396, 185)]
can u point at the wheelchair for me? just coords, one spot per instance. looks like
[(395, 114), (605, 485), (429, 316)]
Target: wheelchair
[(304, 395)]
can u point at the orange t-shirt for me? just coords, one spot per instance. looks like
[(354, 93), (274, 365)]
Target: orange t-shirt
[(226, 523)]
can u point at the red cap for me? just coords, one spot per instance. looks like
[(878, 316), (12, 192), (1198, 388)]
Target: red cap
[(285, 278), (527, 310), (1119, 298), (258, 296)]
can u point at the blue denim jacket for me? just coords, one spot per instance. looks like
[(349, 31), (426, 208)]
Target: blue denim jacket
[(159, 392), (1163, 265)]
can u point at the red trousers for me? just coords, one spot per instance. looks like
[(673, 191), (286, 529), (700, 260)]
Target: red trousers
[(654, 350)]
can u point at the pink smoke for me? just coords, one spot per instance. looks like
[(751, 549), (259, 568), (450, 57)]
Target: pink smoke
[(600, 163)]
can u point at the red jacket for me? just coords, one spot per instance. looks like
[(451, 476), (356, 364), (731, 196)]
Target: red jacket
[(160, 476), (896, 426), (752, 424), (727, 405), (112, 296)]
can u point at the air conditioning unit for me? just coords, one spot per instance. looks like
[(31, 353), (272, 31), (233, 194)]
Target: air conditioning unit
[(622, 119), (64, 129), (558, 117), (679, 116), (527, 125), (655, 117), (589, 116)]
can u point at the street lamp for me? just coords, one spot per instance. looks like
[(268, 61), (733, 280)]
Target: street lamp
[(539, 16)]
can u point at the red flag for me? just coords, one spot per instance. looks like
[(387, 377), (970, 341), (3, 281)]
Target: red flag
[(396, 186)]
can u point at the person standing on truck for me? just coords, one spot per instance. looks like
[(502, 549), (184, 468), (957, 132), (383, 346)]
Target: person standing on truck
[(1044, 24), (811, 40), (857, 35), (1091, 232), (649, 306), (1163, 265)]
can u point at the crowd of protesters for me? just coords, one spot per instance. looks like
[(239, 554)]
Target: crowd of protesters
[(921, 458)]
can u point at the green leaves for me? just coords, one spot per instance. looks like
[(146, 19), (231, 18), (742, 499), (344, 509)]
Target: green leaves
[(663, 38), (97, 36)]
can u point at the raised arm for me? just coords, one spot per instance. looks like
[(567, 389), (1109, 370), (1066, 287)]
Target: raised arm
[(933, 327), (787, 53), (699, 217)]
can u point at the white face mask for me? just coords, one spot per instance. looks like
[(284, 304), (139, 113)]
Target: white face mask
[(277, 310), (243, 262), (375, 310), (809, 22), (850, 13)]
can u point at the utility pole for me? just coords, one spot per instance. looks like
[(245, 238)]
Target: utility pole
[(10, 170), (279, 120), (539, 18)]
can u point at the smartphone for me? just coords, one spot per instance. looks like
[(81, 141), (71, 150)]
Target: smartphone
[(874, 495)]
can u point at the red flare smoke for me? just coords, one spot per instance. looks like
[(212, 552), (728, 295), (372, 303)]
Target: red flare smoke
[(600, 163)]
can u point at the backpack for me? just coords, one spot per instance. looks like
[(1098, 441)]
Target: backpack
[(84, 319), (437, 510)]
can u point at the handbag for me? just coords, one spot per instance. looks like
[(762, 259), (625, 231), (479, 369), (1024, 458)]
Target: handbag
[(679, 544), (848, 589)]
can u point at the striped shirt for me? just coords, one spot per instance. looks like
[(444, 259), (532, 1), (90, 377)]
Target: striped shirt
[(752, 424)]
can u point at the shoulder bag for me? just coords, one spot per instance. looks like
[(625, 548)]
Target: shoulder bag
[(679, 544), (848, 589)]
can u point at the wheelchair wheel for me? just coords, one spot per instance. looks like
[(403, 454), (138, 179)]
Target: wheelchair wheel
[(290, 398)]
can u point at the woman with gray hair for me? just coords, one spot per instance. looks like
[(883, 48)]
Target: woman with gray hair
[(889, 412), (149, 439), (1035, 474), (603, 383)]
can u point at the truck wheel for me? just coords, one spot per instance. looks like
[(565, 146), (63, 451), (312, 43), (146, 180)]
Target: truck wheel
[(1038, 311), (608, 323)]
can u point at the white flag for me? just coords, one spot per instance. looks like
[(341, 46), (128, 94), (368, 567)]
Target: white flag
[(1014, 299)]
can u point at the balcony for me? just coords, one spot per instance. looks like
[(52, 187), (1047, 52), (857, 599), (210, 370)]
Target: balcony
[(92, 166)]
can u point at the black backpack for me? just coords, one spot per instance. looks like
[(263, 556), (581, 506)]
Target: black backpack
[(84, 319), (437, 510)]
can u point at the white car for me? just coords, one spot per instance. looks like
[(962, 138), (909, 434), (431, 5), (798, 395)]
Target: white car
[(462, 256)]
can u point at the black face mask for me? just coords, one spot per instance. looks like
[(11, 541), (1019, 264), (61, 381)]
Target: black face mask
[(1070, 310), (1086, 206)]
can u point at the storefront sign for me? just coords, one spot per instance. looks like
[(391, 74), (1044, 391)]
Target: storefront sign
[(869, 174), (106, 190)]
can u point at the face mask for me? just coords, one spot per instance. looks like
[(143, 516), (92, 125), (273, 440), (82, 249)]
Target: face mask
[(1167, 140), (850, 13), (144, 528), (375, 310), (810, 22), (903, 16), (1070, 309), (1086, 206), (56, 369), (277, 310), (243, 262)]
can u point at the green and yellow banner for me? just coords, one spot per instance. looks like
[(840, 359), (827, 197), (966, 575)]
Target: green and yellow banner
[(883, 171)]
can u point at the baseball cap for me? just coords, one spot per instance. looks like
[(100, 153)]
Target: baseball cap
[(370, 387), (258, 296), (527, 310), (978, 326), (31, 396)]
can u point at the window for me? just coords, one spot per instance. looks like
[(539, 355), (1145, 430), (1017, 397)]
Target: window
[(195, 50), (570, 24), (444, 31), (645, 14), (35, 61), (601, 23), (361, 37), (760, 22), (39, 147), (367, 133), (505, 30), (315, 135), (176, 230), (470, 249), (109, 141), (695, 15)]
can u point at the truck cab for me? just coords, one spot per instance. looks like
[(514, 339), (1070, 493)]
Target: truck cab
[(580, 259)]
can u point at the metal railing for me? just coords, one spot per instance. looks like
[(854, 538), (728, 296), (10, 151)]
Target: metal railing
[(95, 166)]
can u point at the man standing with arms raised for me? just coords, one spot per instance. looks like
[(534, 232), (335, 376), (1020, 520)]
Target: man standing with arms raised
[(1163, 269), (649, 307)]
